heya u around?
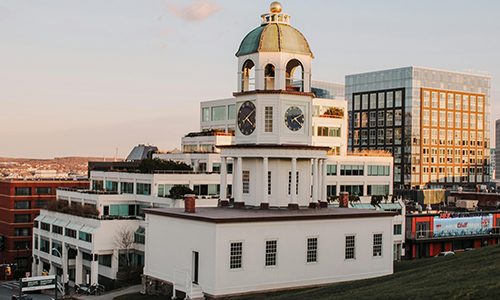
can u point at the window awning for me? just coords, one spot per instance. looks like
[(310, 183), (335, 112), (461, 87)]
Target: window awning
[(60, 222), (74, 226), (39, 218), (363, 205), (88, 229), (390, 206), (49, 220)]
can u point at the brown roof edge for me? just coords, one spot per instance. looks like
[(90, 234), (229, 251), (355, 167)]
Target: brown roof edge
[(301, 147), (285, 92), (201, 218)]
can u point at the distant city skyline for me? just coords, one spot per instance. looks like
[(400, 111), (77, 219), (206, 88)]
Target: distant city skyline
[(84, 78)]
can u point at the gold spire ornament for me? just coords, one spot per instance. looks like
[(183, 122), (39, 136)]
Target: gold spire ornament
[(275, 7)]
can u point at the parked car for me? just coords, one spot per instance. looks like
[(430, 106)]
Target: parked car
[(446, 253)]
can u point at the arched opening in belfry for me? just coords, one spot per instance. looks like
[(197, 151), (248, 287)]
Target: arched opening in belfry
[(269, 75), (248, 76), (294, 76)]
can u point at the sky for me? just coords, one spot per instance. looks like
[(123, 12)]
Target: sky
[(93, 77)]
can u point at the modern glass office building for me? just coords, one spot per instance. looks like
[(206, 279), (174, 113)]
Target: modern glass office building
[(436, 124)]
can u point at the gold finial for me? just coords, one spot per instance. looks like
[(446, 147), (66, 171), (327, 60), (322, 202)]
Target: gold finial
[(275, 7)]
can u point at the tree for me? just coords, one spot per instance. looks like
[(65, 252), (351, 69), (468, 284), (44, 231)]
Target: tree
[(156, 164), (124, 241), (178, 191), (376, 200)]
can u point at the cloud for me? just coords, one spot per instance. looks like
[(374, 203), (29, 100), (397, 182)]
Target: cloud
[(197, 10)]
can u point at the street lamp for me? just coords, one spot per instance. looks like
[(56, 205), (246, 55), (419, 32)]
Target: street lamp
[(62, 264)]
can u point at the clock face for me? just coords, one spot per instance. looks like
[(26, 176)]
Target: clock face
[(246, 118), (294, 118)]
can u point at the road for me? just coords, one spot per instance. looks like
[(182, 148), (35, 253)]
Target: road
[(8, 288)]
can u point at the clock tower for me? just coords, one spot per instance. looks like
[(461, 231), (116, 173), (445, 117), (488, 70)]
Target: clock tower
[(274, 162), (273, 101)]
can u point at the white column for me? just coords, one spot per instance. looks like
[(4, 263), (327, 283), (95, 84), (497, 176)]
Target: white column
[(64, 262), (293, 186), (315, 180), (265, 170), (239, 180), (78, 267), (94, 270), (323, 196), (223, 179)]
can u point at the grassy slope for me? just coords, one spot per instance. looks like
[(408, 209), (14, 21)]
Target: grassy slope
[(470, 275)]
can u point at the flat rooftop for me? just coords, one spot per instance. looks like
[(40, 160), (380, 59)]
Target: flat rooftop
[(245, 215)]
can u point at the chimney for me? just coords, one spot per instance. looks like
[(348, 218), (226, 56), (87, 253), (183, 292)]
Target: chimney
[(190, 203), (344, 199)]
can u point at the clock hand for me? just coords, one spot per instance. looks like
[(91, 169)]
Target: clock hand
[(247, 118)]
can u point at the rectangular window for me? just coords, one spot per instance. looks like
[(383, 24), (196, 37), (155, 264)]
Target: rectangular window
[(111, 186), (43, 190), (205, 114), (246, 182), (398, 99), (331, 170), (378, 189), (312, 250), (381, 100), (22, 191), (390, 99), (105, 260), (290, 183), (328, 131), (22, 204), (331, 190), (271, 251), (269, 183), (22, 245), (268, 119), (44, 245), (381, 119), (350, 247), (373, 101), (236, 255), (45, 226), (364, 103), (397, 228), (57, 229), (357, 102), (218, 113), (22, 218), (97, 185), (70, 233), (127, 187), (377, 244), (231, 112), (351, 170), (56, 248), (36, 242), (22, 231), (83, 236), (143, 189)]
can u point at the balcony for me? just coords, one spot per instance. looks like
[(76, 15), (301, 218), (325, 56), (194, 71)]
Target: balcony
[(430, 235)]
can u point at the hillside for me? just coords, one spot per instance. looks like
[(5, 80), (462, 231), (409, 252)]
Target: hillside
[(470, 275)]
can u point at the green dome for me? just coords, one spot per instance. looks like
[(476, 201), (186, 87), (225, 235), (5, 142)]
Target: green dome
[(274, 37)]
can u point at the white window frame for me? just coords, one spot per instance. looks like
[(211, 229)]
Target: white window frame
[(275, 253), (307, 250), (381, 244), (345, 247), (230, 256)]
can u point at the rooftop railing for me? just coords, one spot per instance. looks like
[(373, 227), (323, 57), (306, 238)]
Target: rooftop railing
[(429, 234)]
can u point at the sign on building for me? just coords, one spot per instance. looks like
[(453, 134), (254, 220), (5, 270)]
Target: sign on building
[(38, 283), (444, 227)]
